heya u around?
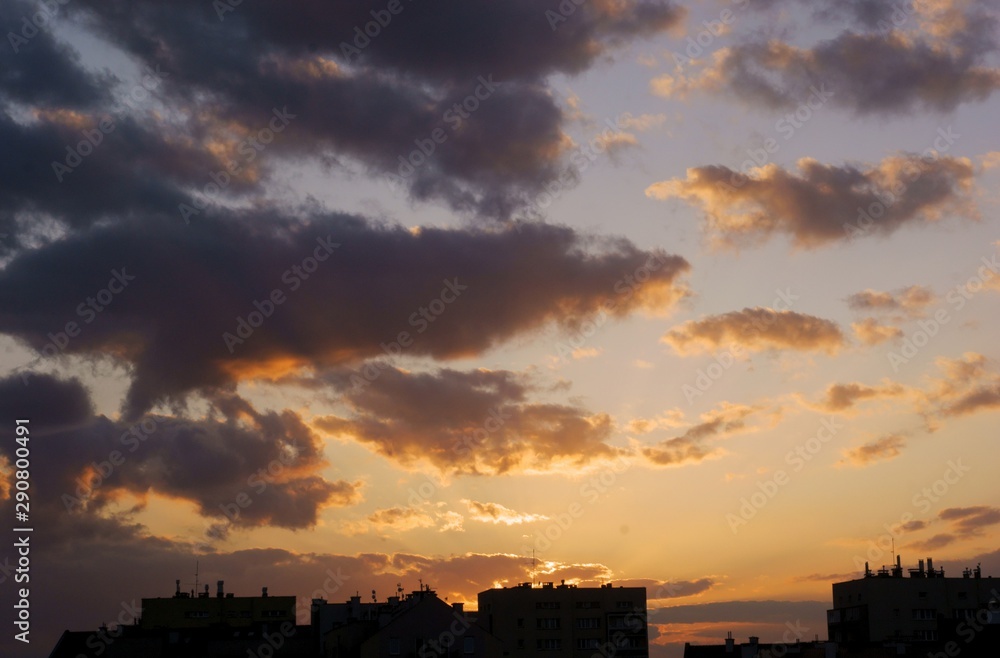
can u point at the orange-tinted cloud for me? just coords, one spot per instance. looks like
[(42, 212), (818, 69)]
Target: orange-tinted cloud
[(756, 329), (885, 448), (967, 385), (843, 397), (477, 422), (910, 301), (820, 203), (870, 332), (694, 445), (496, 513)]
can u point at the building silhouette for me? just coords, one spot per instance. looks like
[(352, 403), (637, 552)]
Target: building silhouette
[(924, 606), (418, 625), (566, 620)]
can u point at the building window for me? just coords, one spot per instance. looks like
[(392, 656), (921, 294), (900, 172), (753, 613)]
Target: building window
[(588, 623), (624, 605), (924, 614), (584, 605), (548, 623), (921, 595), (469, 645), (549, 644), (586, 643), (963, 595), (547, 605), (393, 646), (520, 622), (925, 636), (196, 614)]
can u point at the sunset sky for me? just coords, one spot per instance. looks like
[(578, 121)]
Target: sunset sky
[(696, 296)]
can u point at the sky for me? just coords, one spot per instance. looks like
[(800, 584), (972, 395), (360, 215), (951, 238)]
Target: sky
[(348, 297)]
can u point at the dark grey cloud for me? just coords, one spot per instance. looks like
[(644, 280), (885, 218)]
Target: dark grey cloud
[(476, 422), (38, 69), (240, 466), (51, 402), (378, 98), (183, 321), (740, 611)]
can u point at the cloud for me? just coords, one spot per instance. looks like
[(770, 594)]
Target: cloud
[(820, 203), (843, 397), (670, 589), (692, 446), (937, 541), (499, 284), (479, 422), (496, 513), (50, 403), (966, 386), (376, 99), (911, 301), (865, 73), (756, 329), (971, 520), (885, 448), (737, 611), (871, 333), (399, 519), (238, 465), (964, 522)]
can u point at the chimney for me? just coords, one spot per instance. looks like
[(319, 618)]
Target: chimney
[(730, 643), (458, 607), (263, 592), (920, 565), (754, 640), (178, 592), (219, 589), (930, 568)]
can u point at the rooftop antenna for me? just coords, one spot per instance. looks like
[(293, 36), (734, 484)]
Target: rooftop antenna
[(196, 565), (894, 550), (533, 565), (421, 581)]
